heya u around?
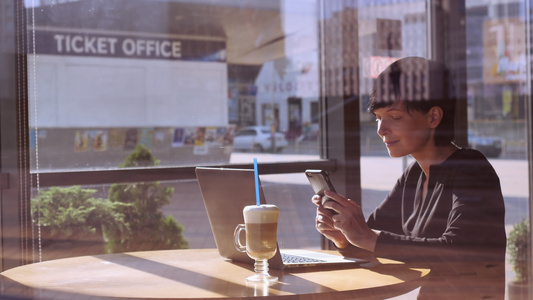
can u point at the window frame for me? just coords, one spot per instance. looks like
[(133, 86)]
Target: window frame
[(93, 177), (15, 230)]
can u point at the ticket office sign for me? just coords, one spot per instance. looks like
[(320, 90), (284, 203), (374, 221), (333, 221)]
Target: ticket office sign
[(102, 45)]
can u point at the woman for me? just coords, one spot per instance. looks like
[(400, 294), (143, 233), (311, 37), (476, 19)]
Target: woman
[(448, 203)]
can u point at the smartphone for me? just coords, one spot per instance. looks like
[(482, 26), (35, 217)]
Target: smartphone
[(320, 182)]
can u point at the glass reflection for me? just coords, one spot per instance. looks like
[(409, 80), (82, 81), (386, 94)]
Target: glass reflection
[(181, 80)]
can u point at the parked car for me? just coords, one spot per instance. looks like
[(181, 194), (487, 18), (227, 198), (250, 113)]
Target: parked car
[(258, 139), (491, 146)]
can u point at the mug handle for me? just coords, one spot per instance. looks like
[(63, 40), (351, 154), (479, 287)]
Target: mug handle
[(236, 237)]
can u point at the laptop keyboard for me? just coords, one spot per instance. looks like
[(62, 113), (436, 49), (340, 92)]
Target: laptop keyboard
[(288, 258)]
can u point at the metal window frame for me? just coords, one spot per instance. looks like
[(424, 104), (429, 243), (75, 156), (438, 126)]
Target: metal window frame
[(15, 230), (94, 177), (339, 102), (529, 125)]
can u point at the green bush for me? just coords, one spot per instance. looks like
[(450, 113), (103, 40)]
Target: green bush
[(148, 228), (72, 213), (129, 220), (518, 244)]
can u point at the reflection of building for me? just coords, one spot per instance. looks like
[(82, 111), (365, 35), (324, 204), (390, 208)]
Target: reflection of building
[(286, 93), (7, 49), (493, 83), (258, 71), (386, 35), (242, 93), (504, 66), (188, 63), (341, 76), (416, 83), (496, 56)]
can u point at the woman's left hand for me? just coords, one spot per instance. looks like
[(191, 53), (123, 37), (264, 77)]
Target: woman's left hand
[(351, 222)]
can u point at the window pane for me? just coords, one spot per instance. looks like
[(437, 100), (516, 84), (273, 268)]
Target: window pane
[(106, 77), (496, 93), (116, 218), (497, 100), (223, 82), (119, 84)]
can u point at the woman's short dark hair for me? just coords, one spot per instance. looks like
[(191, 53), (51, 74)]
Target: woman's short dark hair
[(420, 84)]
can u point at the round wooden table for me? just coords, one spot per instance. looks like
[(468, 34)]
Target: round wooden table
[(200, 274)]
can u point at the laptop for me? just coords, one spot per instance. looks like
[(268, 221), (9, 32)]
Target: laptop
[(226, 192)]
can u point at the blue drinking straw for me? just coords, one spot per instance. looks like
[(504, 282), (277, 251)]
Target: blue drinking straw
[(256, 183)]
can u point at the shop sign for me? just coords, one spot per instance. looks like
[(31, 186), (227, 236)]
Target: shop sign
[(504, 47), (289, 86), (374, 65), (374, 3), (102, 45)]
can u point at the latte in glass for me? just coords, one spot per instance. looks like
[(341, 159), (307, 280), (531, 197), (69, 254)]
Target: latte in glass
[(261, 224)]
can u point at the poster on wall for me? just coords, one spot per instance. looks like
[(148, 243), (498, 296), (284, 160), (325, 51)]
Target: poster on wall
[(200, 146), (221, 135), (146, 137), (81, 141), (210, 135), (115, 138), (131, 139), (99, 140), (189, 135), (159, 135), (504, 58), (178, 139)]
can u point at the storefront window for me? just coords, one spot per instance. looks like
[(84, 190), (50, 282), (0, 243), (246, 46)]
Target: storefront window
[(180, 81), (125, 98), (496, 91), (192, 83)]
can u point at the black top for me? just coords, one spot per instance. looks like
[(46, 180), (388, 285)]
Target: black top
[(464, 207), (458, 230)]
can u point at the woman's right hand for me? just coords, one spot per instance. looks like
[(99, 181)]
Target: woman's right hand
[(324, 224)]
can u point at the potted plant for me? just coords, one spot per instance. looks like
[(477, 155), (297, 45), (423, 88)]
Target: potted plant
[(518, 245)]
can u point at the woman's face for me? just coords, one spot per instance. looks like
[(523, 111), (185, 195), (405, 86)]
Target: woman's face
[(404, 132)]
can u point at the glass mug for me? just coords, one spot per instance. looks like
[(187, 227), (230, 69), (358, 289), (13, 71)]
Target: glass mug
[(261, 225)]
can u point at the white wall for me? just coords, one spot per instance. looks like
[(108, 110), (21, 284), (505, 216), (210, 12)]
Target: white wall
[(118, 92)]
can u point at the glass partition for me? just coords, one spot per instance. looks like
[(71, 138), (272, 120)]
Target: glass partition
[(160, 87), (191, 83), (196, 82), (497, 92), (116, 218)]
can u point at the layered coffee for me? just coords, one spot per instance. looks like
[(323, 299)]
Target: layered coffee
[(261, 230)]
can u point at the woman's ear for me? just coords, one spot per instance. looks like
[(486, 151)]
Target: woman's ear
[(435, 115)]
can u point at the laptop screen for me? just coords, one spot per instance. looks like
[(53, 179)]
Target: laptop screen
[(226, 192)]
